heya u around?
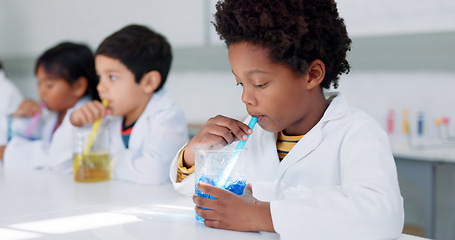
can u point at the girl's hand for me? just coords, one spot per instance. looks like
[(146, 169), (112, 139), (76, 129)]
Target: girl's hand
[(218, 132), (233, 212), (28, 108), (88, 113)]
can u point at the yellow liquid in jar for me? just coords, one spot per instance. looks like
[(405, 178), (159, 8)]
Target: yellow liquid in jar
[(94, 167)]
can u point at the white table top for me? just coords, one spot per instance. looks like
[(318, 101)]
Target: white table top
[(44, 205), (429, 152)]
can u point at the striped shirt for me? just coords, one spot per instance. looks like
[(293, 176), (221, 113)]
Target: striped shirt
[(182, 171), (126, 132), (285, 143)]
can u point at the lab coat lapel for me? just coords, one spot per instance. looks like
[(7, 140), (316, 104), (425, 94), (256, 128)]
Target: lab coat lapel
[(138, 133), (305, 146), (116, 134), (268, 146), (313, 138), (153, 106)]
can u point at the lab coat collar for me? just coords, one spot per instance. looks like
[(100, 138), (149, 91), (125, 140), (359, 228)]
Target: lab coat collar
[(160, 100), (310, 141), (337, 108)]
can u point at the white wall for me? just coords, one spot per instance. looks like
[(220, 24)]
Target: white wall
[(27, 27), (386, 17)]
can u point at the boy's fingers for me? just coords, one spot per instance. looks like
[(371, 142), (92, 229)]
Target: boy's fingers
[(245, 128), (206, 214), (248, 189), (237, 128), (212, 223), (222, 132), (211, 141), (202, 202), (86, 115), (93, 111), (212, 190)]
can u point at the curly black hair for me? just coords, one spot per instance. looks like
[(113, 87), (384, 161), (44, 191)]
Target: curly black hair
[(296, 32)]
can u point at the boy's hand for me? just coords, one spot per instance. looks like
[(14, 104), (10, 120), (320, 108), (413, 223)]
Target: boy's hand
[(88, 113), (233, 212), (218, 132), (28, 108)]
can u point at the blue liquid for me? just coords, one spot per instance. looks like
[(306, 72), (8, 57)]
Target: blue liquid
[(235, 187)]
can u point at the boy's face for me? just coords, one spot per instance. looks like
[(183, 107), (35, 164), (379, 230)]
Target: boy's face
[(117, 85), (271, 91), (55, 92)]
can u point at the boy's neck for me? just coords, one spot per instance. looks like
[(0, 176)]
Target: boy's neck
[(135, 113), (311, 119), (61, 116)]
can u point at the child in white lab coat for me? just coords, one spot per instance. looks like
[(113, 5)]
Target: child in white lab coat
[(318, 168), (146, 126), (10, 99), (66, 79)]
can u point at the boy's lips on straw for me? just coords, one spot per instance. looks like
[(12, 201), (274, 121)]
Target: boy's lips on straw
[(259, 117)]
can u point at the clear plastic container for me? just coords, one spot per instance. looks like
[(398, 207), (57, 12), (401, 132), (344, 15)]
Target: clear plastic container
[(224, 168), (94, 165)]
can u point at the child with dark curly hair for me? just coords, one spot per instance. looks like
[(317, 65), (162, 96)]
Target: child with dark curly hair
[(317, 168)]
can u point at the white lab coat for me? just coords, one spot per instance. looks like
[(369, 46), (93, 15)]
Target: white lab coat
[(157, 135), (10, 100), (50, 148), (338, 182)]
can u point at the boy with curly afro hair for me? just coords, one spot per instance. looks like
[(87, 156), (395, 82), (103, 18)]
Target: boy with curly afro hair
[(317, 168)]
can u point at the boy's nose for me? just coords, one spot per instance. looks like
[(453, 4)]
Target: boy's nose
[(247, 97), (100, 87)]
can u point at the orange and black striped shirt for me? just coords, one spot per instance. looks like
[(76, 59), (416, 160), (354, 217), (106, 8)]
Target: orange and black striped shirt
[(285, 143), (126, 132)]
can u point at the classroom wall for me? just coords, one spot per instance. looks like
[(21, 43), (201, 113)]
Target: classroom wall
[(402, 56), (396, 39)]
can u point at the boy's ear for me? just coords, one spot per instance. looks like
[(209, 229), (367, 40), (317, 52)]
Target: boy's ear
[(150, 81), (80, 87), (316, 73)]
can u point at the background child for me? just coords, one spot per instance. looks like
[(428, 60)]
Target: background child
[(319, 169), (66, 79), (146, 127), (10, 99)]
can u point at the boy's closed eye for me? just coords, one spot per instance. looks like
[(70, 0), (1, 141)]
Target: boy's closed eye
[(47, 85), (260, 85)]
